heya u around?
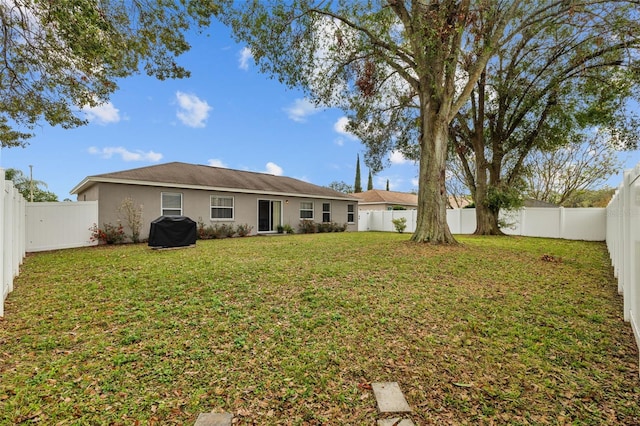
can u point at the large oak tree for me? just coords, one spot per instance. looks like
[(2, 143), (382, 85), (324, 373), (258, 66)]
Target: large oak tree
[(393, 66), (57, 57), (543, 90)]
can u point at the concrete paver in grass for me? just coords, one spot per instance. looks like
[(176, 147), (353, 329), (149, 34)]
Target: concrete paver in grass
[(214, 419), (395, 422), (390, 398)]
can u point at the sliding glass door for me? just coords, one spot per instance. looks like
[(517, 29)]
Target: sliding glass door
[(269, 215)]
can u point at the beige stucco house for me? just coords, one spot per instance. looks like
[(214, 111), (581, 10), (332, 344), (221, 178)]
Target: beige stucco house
[(214, 195), (377, 199)]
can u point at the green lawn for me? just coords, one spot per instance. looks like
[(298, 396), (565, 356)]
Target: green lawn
[(292, 329)]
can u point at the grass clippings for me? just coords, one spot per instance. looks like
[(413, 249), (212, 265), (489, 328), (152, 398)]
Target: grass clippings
[(293, 330)]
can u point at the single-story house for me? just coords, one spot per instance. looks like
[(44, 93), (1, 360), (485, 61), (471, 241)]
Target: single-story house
[(214, 195), (377, 199)]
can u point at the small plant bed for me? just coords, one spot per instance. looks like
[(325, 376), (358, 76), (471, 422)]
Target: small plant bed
[(294, 331)]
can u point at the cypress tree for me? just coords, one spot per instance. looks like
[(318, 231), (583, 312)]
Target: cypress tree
[(387, 184), (358, 186), (370, 183)]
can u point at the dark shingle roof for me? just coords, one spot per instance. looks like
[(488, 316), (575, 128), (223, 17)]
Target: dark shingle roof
[(186, 175)]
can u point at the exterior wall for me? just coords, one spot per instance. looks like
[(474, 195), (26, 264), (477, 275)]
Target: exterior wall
[(196, 205)]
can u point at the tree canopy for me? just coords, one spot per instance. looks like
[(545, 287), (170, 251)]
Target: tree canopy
[(59, 56), (391, 65), (554, 176), (544, 90), (31, 190)]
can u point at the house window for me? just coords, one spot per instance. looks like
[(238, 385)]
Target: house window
[(350, 213), (306, 210), (171, 204), (326, 212), (221, 208)]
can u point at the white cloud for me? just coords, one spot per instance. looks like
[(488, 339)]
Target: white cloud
[(102, 114), (125, 154), (415, 182), (245, 56), (397, 158), (214, 162), (274, 169), (300, 110), (192, 111), (340, 127)]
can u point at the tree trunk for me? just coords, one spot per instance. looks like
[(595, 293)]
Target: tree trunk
[(486, 221), (486, 218), (431, 226)]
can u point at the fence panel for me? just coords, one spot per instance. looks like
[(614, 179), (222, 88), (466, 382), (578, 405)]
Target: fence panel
[(623, 243), (12, 242), (573, 224), (52, 226)]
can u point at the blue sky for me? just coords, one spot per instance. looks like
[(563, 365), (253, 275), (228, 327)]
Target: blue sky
[(226, 114)]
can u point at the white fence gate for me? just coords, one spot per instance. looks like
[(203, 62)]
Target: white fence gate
[(52, 226), (571, 224), (623, 242)]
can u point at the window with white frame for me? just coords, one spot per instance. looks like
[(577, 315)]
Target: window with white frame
[(306, 210), (221, 208), (171, 204), (326, 212), (351, 213)]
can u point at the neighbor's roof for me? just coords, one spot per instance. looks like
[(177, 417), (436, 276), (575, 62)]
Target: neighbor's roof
[(194, 176), (377, 196)]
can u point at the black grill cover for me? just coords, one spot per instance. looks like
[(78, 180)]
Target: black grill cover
[(172, 231)]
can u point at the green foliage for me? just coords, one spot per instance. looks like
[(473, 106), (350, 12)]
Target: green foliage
[(400, 224), (108, 234), (590, 198), (357, 187), (543, 91), (307, 227), (370, 182), (341, 187), (398, 208), (310, 227), (24, 186), (222, 230), (288, 229), (77, 50), (243, 230), (504, 198), (216, 231)]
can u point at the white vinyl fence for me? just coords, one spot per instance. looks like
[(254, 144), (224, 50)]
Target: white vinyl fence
[(571, 224), (623, 242), (12, 242), (29, 227), (53, 226)]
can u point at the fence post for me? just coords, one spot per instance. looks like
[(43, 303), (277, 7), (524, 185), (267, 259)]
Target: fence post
[(8, 236), (626, 244), (4, 290)]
